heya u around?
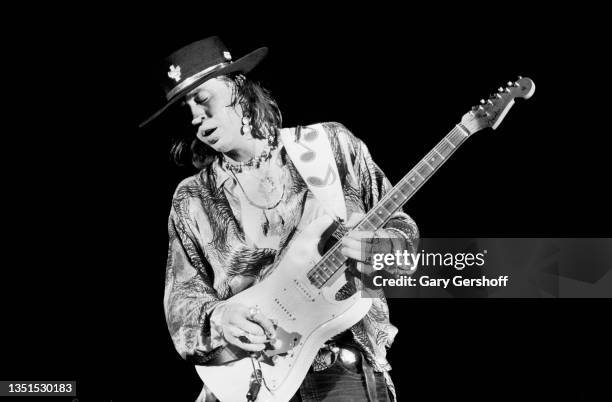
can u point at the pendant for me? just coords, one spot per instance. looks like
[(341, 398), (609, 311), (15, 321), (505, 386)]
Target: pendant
[(267, 185)]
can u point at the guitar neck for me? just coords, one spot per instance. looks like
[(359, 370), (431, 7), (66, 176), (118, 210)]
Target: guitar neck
[(410, 184), (333, 260)]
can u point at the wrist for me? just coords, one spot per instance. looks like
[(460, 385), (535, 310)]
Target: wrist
[(216, 329)]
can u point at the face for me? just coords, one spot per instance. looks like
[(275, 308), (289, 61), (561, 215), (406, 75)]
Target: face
[(218, 123)]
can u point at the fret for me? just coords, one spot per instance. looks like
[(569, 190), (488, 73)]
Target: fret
[(445, 148), (390, 199), (324, 269), (424, 170), (375, 221), (426, 160), (414, 179), (405, 188), (390, 205), (381, 211), (434, 160), (367, 225), (449, 141), (382, 214), (336, 258), (398, 199), (456, 138)]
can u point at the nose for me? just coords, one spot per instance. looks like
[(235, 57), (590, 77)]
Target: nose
[(199, 114), (197, 120)]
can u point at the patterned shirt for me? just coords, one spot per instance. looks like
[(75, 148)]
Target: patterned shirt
[(214, 253)]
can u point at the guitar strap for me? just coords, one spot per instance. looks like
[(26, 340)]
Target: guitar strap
[(311, 153)]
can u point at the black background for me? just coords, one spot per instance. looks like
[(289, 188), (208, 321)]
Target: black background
[(89, 193)]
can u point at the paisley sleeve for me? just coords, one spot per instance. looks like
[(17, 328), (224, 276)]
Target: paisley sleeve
[(189, 297)]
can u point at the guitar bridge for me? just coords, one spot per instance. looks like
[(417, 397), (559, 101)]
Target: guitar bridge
[(283, 343)]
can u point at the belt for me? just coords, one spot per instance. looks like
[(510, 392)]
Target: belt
[(353, 360)]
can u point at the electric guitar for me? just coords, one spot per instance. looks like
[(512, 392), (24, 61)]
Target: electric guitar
[(299, 293)]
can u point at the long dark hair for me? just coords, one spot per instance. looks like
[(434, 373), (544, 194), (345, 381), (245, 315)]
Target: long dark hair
[(255, 101)]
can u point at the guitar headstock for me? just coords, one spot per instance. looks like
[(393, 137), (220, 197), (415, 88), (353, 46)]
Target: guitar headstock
[(492, 111)]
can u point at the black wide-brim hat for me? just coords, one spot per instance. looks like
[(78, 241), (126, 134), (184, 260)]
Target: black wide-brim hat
[(198, 62)]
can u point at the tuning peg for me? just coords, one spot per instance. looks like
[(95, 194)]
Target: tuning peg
[(480, 108), (508, 90), (489, 101), (509, 83), (500, 89), (482, 101), (520, 77), (498, 96)]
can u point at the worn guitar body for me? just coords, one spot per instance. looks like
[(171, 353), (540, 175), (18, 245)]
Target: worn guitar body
[(306, 318)]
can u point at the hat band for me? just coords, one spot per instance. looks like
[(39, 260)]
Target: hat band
[(190, 80)]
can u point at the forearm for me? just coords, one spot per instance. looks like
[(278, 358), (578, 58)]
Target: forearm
[(189, 300), (405, 227), (404, 236), (188, 315)]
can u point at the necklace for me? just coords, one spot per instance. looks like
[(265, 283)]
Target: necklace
[(267, 187), (263, 184), (256, 161)]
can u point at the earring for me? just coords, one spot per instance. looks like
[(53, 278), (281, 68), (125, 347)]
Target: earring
[(272, 137), (246, 125)]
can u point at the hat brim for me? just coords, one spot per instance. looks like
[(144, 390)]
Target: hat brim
[(243, 65)]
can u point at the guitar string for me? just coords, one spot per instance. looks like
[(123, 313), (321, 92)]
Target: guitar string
[(453, 135)]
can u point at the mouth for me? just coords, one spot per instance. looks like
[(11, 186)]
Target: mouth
[(209, 131)]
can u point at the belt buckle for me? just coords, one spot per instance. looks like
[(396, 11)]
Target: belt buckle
[(350, 358)]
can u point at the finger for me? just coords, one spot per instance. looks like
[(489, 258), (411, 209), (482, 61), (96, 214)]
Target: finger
[(365, 235), (249, 327), (352, 253), (250, 338), (265, 323), (256, 339), (354, 219), (234, 331), (251, 347), (351, 243), (238, 334)]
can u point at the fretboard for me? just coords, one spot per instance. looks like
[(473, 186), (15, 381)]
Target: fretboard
[(333, 260)]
